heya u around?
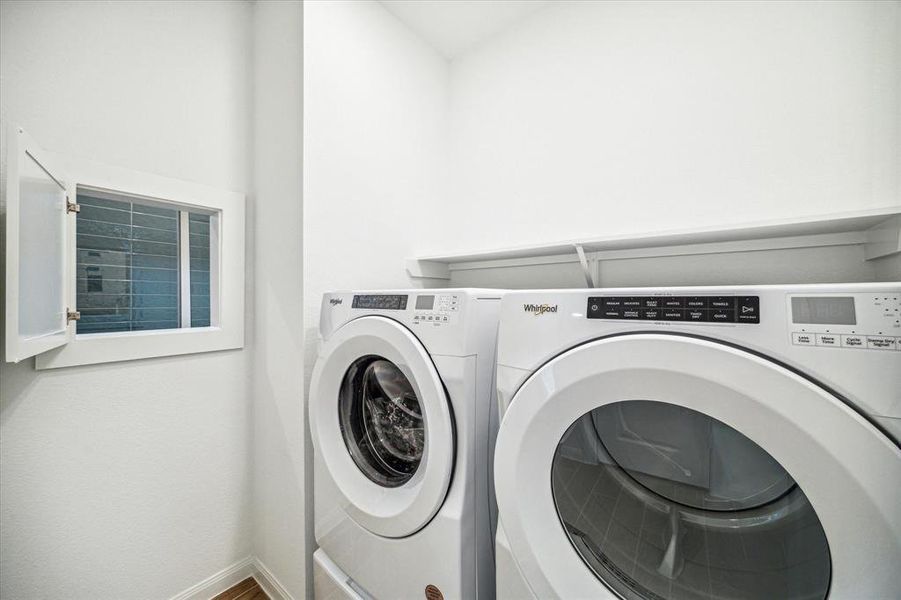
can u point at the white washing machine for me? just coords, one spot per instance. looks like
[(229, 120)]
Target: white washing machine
[(721, 442), (403, 417)]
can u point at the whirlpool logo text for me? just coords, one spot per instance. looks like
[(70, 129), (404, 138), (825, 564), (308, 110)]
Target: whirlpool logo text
[(539, 309)]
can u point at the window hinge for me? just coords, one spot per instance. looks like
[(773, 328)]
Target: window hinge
[(72, 207), (72, 315)]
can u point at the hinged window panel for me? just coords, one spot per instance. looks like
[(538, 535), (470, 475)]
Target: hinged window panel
[(108, 264), (37, 222)]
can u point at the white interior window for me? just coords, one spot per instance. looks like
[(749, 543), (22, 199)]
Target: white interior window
[(107, 264)]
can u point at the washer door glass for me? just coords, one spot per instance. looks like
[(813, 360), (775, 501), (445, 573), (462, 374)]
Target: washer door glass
[(381, 421), (662, 501)]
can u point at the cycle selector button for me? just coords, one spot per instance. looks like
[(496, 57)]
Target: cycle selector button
[(696, 315), (722, 303), (721, 316), (696, 302), (616, 303)]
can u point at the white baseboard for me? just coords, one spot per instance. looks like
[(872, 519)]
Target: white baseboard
[(219, 582), (229, 576), (272, 586)]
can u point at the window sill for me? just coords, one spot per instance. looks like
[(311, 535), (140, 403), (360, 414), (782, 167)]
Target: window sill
[(95, 348)]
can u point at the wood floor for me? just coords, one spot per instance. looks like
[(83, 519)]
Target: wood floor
[(248, 589)]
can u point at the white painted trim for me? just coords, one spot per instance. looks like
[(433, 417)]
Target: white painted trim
[(184, 269), (227, 316), (216, 266), (270, 584), (556, 259), (220, 581), (847, 238)]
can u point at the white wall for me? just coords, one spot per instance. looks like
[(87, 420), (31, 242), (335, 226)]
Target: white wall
[(281, 480), (593, 118), (375, 114), (127, 480)]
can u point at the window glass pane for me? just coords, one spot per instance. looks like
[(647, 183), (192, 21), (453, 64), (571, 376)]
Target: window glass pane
[(127, 266), (42, 223), (199, 232)]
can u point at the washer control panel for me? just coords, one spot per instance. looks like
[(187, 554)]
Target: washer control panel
[(435, 309), (848, 321), (698, 309)]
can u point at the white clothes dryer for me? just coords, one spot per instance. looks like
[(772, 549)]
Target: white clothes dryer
[(403, 417), (700, 443)]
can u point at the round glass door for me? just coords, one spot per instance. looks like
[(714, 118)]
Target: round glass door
[(662, 501), (381, 421)]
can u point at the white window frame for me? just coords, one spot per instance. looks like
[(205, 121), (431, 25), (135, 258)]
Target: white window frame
[(226, 278)]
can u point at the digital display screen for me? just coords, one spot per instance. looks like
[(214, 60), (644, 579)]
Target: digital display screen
[(381, 301), (425, 302), (823, 311)]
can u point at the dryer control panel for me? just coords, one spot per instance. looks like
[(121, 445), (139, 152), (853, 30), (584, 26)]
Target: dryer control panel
[(697, 309), (849, 321)]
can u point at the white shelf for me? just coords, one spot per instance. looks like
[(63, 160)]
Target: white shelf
[(879, 230)]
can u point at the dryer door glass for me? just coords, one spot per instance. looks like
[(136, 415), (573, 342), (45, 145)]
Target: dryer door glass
[(381, 421), (662, 501)]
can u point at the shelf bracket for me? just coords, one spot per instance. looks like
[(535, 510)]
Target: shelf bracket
[(586, 266), (884, 239)]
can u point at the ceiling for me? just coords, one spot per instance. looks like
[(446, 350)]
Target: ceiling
[(454, 26)]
